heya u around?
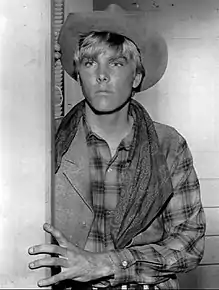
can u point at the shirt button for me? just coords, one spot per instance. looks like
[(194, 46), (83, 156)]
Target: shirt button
[(84, 223), (109, 170), (125, 264)]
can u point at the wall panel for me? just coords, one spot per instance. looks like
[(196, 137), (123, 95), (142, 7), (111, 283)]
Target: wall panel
[(210, 191), (204, 277), (25, 136)]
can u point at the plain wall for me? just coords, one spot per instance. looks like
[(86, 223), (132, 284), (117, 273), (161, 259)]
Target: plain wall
[(25, 102)]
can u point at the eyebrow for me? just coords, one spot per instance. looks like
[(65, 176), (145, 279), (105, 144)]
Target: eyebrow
[(119, 57), (111, 58)]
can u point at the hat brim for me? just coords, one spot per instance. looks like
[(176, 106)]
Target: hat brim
[(134, 26)]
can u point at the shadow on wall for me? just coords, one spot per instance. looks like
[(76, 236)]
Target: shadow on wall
[(188, 279), (152, 99)]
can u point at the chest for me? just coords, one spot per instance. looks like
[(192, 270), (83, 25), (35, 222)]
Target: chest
[(106, 170)]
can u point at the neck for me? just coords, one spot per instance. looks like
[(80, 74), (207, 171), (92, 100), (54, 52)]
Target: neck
[(110, 126)]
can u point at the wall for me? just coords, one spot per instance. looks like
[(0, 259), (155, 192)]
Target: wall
[(25, 128), (187, 98)]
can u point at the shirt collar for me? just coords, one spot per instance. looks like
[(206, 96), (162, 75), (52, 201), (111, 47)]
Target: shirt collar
[(127, 143)]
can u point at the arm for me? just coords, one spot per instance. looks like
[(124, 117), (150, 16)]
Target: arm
[(184, 223), (181, 249)]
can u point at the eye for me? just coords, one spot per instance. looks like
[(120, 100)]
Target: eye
[(116, 64), (88, 62)]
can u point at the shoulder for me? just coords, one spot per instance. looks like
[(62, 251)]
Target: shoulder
[(167, 133), (171, 142)]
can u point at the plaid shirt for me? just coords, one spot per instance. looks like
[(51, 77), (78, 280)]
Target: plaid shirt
[(105, 184), (183, 218)]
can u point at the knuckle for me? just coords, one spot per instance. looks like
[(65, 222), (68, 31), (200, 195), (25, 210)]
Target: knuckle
[(36, 264), (51, 281), (36, 249), (56, 262), (58, 234), (54, 249), (56, 279)]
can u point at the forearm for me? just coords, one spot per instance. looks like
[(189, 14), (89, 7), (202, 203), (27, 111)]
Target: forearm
[(155, 263), (180, 251)]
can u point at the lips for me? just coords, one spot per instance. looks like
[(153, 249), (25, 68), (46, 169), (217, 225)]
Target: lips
[(103, 92)]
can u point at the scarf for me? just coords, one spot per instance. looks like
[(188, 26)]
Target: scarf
[(146, 184)]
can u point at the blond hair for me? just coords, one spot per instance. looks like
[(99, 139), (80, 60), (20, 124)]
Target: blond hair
[(95, 43)]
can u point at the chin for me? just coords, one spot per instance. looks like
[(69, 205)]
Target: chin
[(99, 107), (106, 107), (103, 110)]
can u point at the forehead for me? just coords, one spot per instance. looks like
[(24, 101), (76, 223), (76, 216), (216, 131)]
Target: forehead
[(97, 48), (104, 51)]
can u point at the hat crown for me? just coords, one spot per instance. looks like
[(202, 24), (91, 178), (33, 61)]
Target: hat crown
[(114, 8)]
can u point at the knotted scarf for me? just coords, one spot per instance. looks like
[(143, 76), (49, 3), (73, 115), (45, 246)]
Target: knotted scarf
[(146, 183)]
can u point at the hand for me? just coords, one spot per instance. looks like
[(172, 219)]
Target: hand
[(77, 264)]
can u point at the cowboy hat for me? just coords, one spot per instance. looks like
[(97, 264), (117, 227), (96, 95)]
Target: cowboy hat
[(132, 25)]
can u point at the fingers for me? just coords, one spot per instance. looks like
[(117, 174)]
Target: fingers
[(47, 249), (49, 262), (53, 280), (51, 248)]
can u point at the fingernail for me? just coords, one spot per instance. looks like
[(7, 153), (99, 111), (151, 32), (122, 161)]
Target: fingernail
[(31, 265), (31, 250), (48, 226), (40, 283)]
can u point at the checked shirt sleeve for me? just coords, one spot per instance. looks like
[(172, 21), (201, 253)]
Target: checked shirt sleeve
[(184, 221)]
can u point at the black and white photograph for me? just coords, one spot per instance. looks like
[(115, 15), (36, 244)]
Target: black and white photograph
[(109, 144)]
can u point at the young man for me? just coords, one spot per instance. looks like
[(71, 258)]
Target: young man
[(127, 207)]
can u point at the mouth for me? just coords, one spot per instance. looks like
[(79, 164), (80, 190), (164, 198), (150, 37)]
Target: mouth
[(103, 92)]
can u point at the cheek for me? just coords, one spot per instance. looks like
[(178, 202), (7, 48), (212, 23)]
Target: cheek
[(124, 81), (87, 80)]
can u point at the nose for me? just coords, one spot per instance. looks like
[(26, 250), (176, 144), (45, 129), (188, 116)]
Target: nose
[(102, 74)]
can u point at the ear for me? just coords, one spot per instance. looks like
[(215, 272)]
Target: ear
[(137, 80), (78, 79)]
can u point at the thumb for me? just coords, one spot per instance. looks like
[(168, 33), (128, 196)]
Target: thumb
[(60, 238)]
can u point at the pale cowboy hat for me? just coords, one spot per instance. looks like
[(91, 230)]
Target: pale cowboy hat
[(130, 24)]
